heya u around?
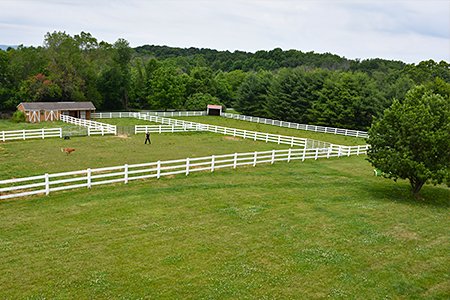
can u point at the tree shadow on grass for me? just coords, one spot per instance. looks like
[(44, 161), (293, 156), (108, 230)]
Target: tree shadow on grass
[(400, 192)]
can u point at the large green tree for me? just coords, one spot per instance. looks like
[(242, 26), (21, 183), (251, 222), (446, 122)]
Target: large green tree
[(412, 139)]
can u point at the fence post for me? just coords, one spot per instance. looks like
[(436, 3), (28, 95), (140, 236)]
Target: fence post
[(42, 132), (304, 153), (267, 137), (273, 157), (47, 184), (234, 132), (3, 136), (317, 154), (289, 155), (255, 158), (125, 175), (103, 133), (349, 149), (279, 139), (357, 151), (235, 161), (187, 166), (212, 163), (339, 151), (158, 169), (245, 132), (23, 134), (292, 142), (89, 179), (60, 132)]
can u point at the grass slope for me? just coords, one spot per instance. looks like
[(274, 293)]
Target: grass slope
[(316, 229), (327, 137)]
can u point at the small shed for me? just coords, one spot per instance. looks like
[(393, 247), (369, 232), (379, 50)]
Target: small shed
[(36, 112), (214, 110)]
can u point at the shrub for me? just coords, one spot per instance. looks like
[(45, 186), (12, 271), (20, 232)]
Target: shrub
[(18, 117)]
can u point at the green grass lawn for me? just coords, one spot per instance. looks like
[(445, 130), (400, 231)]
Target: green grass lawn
[(9, 125), (33, 157), (311, 230), (327, 137)]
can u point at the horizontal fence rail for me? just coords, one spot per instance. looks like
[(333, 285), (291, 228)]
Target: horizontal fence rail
[(161, 129), (25, 134), (110, 115), (46, 183), (94, 127), (323, 129)]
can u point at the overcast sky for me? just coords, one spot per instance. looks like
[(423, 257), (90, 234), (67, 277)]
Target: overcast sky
[(410, 31)]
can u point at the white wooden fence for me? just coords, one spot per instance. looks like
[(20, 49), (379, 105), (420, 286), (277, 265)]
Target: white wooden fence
[(161, 128), (25, 134), (109, 115), (94, 128), (246, 134), (46, 183), (324, 129)]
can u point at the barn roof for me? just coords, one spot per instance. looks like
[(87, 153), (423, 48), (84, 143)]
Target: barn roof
[(58, 105)]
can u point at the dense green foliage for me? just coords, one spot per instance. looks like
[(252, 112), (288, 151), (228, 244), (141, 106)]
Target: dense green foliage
[(290, 85), (18, 116), (412, 140)]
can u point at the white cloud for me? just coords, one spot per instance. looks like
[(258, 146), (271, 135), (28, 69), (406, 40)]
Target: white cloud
[(406, 30)]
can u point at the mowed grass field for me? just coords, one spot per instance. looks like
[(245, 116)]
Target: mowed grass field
[(6, 125), (311, 230), (299, 230), (35, 157), (221, 121)]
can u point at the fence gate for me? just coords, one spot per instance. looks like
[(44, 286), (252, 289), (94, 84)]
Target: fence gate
[(125, 130)]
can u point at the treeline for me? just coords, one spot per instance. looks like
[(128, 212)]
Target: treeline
[(289, 85)]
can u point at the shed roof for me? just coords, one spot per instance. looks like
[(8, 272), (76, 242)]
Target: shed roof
[(58, 105), (214, 106)]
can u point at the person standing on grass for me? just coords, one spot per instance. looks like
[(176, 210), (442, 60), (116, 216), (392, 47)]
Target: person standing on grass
[(147, 138)]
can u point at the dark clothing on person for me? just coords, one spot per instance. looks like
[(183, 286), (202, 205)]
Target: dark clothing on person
[(147, 138)]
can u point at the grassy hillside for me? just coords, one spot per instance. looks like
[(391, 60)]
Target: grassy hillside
[(316, 229)]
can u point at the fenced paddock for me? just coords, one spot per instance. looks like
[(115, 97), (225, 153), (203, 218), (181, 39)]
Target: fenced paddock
[(321, 129), (194, 126), (46, 183), (26, 134), (94, 127)]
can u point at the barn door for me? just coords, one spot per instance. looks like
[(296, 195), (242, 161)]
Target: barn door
[(34, 116)]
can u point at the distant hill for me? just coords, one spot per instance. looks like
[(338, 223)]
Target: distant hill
[(4, 47)]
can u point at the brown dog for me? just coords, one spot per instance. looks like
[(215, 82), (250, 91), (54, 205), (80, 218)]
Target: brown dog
[(67, 150)]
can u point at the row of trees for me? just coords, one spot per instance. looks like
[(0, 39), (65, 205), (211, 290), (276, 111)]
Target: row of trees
[(289, 85)]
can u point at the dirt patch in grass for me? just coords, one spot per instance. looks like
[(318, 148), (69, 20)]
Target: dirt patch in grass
[(232, 138), (401, 233)]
